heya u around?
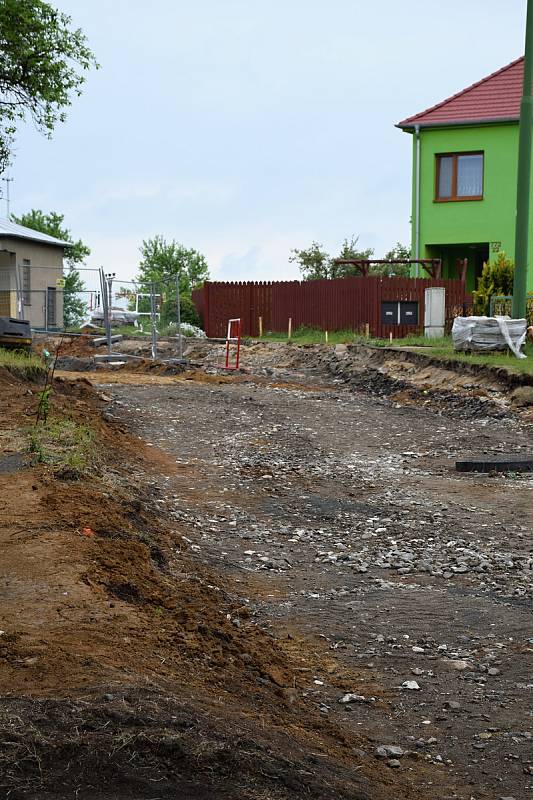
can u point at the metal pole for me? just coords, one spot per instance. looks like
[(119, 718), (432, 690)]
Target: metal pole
[(417, 202), (104, 298), (108, 315), (178, 317), (153, 321), (8, 195), (524, 176)]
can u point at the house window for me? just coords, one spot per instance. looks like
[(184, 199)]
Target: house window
[(459, 177), (26, 281)]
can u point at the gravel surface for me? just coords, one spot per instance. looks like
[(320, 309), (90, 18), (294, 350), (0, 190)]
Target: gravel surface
[(340, 512)]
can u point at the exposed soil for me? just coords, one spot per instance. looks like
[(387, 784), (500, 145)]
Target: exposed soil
[(129, 668), (249, 550)]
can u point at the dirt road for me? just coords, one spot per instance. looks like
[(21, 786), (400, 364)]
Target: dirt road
[(408, 585)]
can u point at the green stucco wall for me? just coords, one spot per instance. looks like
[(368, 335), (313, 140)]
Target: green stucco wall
[(490, 221)]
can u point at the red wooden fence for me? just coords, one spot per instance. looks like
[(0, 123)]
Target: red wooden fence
[(345, 303)]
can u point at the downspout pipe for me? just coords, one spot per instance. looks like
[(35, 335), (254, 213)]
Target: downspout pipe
[(417, 200)]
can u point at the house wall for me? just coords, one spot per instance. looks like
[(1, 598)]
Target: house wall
[(46, 269), (470, 222), (8, 304)]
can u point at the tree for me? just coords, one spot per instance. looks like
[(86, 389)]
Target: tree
[(42, 61), (74, 308), (398, 252), (349, 249), (314, 263), (162, 262), (188, 312), (52, 224)]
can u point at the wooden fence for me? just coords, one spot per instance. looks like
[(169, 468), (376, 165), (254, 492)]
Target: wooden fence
[(345, 303)]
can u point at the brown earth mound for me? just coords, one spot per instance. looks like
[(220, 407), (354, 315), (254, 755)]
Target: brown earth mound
[(126, 668)]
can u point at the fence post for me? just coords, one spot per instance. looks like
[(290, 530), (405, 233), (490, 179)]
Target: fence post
[(178, 316), (105, 292), (290, 330), (153, 321), (260, 327)]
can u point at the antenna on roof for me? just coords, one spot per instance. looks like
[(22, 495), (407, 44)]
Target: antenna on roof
[(8, 180)]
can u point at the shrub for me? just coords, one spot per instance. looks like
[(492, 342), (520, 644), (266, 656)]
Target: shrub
[(496, 278), (188, 312)]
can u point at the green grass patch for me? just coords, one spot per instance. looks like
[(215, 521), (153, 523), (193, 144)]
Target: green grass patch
[(442, 347), (506, 360), (414, 341), (62, 442), (22, 364), (305, 335), (131, 330)]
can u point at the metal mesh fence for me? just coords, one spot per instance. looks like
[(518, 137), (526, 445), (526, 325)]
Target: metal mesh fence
[(55, 303), (502, 305), (50, 309)]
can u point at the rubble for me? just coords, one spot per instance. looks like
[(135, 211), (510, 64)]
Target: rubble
[(331, 494)]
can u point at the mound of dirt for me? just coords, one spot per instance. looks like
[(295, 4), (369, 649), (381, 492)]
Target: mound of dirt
[(146, 366), (128, 668), (64, 346)]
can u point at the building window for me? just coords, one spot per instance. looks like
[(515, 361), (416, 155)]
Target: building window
[(459, 177), (26, 281)]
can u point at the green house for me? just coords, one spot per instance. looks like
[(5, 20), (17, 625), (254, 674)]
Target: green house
[(465, 154)]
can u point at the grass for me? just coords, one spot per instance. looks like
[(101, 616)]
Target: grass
[(306, 335), (62, 442), (22, 364), (506, 360), (130, 330), (414, 341)]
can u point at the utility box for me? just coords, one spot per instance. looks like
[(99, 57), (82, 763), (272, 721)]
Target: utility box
[(399, 312), (434, 312)]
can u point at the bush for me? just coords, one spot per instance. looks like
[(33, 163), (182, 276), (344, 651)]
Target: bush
[(188, 312), (496, 278)]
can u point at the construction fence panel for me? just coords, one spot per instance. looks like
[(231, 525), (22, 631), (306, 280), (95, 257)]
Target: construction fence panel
[(50, 309), (342, 304), (502, 305)]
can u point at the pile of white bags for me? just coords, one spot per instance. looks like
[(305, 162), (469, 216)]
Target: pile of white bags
[(489, 333)]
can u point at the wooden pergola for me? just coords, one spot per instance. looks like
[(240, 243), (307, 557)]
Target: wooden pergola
[(433, 266)]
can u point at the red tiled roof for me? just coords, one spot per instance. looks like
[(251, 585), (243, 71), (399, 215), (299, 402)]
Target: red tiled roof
[(496, 97)]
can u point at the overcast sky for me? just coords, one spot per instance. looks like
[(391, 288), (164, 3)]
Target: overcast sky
[(245, 128)]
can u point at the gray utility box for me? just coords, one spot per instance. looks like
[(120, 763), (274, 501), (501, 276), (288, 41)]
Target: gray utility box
[(434, 312)]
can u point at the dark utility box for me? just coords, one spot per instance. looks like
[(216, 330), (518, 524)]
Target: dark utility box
[(15, 333)]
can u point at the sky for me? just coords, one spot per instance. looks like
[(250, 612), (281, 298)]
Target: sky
[(247, 128)]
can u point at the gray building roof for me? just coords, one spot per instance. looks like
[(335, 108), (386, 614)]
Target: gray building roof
[(15, 231)]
